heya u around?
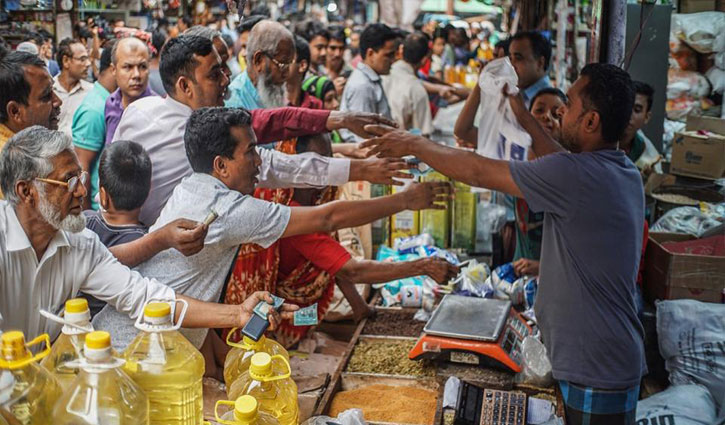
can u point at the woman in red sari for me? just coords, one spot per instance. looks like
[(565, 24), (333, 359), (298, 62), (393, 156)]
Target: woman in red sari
[(304, 269)]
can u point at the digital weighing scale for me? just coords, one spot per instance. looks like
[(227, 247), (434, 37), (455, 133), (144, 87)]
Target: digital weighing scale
[(471, 330)]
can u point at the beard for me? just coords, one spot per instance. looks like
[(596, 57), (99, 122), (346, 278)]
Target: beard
[(71, 223), (270, 94)]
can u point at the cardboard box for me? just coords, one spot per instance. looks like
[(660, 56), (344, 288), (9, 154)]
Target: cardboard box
[(669, 276), (698, 155), (693, 6)]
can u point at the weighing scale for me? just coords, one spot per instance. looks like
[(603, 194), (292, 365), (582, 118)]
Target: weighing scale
[(477, 331)]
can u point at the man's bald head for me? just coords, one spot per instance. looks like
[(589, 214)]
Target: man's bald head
[(128, 45), (130, 65)]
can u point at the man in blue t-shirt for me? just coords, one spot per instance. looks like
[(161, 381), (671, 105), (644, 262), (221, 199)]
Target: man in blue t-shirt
[(593, 203)]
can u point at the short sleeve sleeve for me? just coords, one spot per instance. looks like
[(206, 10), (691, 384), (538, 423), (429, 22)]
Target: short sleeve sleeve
[(321, 250), (89, 130), (549, 184)]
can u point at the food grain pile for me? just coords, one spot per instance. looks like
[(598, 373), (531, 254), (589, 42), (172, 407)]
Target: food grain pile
[(384, 403), (391, 323), (387, 357)]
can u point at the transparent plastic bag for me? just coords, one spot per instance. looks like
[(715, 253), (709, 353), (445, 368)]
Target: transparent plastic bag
[(473, 281), (499, 134), (348, 417), (536, 367), (694, 221)]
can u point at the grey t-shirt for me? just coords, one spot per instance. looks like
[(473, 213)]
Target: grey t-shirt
[(593, 228), (242, 219)]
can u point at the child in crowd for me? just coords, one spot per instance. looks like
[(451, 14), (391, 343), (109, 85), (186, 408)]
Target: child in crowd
[(124, 180)]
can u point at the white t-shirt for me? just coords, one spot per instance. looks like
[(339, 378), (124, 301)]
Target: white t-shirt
[(242, 219)]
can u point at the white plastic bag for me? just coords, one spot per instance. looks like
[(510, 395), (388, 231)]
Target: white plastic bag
[(699, 30), (499, 134), (694, 221), (678, 405), (536, 367), (692, 341), (348, 417)]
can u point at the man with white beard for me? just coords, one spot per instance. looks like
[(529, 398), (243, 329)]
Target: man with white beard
[(270, 52), (47, 256)]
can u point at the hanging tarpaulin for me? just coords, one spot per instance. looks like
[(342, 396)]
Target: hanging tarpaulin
[(476, 7)]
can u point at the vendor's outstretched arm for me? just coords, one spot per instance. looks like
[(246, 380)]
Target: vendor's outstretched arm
[(342, 214), (369, 271), (464, 128), (541, 142), (463, 166)]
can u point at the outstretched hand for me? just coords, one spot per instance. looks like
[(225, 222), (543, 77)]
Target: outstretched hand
[(429, 195), (187, 236), (439, 269), (390, 142), (357, 122), (386, 171), (275, 318)]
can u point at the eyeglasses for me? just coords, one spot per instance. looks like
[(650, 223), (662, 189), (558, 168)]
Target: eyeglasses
[(71, 184), (282, 66), (81, 59)]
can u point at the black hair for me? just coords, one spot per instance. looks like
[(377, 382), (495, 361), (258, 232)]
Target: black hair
[(177, 59), (640, 87), (124, 171), (158, 38), (249, 22), (34, 37), (208, 135), (302, 49), (415, 48), (548, 90), (228, 40), (65, 50), (187, 21), (440, 32), (374, 37), (540, 46), (337, 33), (504, 44), (304, 142), (13, 85), (106, 56), (261, 9), (610, 92), (311, 29)]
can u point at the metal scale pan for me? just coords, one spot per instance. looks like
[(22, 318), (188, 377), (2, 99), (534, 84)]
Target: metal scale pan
[(470, 318)]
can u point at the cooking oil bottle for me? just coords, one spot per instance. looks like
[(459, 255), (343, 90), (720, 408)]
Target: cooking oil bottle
[(276, 393), (246, 412), (69, 345), (167, 367), (27, 390), (240, 355), (102, 393)]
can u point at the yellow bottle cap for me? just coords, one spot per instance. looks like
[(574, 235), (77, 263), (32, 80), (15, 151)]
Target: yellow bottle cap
[(13, 346), (245, 408), (76, 305), (261, 364), (98, 340), (157, 310)]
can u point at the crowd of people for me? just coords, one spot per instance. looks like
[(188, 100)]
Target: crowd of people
[(114, 154)]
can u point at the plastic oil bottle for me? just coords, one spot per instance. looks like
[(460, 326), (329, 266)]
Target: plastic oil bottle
[(276, 393), (69, 345), (167, 367), (102, 393), (240, 356), (246, 412), (27, 390)]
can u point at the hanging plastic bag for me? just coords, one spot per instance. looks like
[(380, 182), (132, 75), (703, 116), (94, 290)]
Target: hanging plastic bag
[(536, 367), (499, 134)]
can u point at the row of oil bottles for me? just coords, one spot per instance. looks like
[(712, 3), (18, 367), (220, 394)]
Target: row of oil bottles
[(157, 380)]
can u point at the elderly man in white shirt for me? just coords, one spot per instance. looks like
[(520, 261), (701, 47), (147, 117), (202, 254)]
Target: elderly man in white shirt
[(407, 97), (47, 256), (194, 77)]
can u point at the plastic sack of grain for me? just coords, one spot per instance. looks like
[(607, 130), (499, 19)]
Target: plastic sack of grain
[(691, 337), (678, 405)]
